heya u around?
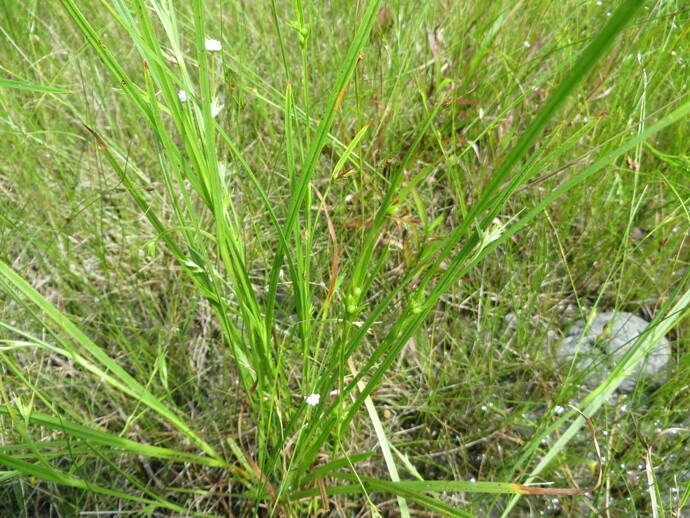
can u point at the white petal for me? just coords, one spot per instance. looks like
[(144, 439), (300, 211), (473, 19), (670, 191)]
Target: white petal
[(212, 45), (313, 399)]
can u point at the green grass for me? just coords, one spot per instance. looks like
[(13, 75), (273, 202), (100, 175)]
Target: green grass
[(349, 203)]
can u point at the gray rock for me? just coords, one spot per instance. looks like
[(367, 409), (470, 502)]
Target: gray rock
[(610, 336)]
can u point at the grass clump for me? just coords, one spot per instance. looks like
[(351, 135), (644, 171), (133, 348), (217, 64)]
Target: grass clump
[(258, 259)]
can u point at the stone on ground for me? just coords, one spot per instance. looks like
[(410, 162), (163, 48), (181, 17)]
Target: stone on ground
[(610, 336)]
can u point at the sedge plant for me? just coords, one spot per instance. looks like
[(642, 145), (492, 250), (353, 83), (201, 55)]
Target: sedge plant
[(305, 332)]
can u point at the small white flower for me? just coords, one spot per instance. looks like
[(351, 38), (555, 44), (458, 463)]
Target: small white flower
[(526, 44), (558, 410), (212, 45), (182, 95), (599, 2), (216, 107), (313, 399)]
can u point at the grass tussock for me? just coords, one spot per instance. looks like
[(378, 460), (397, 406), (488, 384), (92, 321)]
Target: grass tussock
[(321, 264)]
